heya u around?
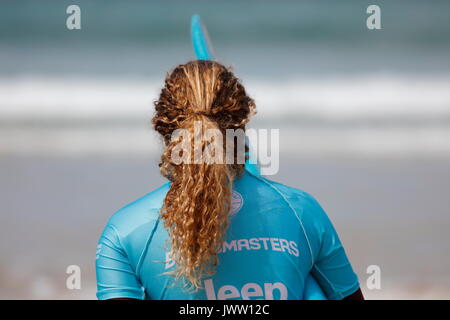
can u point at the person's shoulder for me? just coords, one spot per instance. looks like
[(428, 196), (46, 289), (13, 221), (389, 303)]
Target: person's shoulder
[(312, 217), (143, 210), (301, 201), (288, 192)]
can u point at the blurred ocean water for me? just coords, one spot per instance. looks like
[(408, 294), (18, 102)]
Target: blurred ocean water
[(364, 119), (312, 67)]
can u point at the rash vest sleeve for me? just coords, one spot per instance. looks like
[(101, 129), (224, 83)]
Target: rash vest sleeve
[(115, 275), (331, 268)]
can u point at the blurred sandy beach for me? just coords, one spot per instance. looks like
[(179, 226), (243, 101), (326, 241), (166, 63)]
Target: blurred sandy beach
[(364, 120), (391, 213)]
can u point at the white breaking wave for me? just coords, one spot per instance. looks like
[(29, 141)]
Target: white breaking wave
[(351, 98), (45, 98), (282, 104), (329, 98)]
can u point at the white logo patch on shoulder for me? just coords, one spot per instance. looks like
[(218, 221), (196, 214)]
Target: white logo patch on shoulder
[(236, 202)]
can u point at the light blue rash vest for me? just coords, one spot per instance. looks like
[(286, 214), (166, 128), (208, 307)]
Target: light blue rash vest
[(277, 236)]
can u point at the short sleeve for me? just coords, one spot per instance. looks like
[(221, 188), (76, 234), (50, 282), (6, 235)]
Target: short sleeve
[(331, 267), (312, 290), (115, 276)]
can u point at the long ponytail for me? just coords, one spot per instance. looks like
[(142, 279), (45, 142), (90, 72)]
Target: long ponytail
[(198, 96)]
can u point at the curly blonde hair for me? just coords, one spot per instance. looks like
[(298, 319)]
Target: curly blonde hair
[(195, 210)]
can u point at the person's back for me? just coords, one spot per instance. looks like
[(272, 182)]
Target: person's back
[(217, 231), (276, 236)]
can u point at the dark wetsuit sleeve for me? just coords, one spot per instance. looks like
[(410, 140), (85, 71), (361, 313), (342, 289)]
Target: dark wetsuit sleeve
[(115, 276)]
